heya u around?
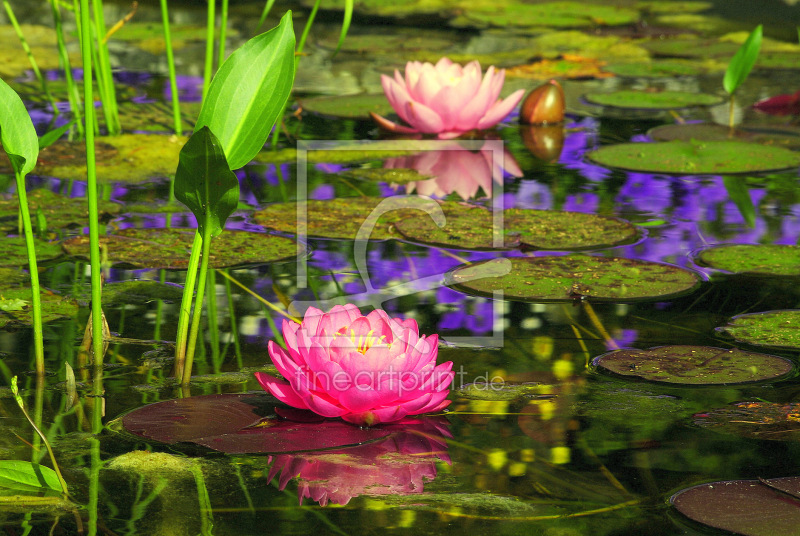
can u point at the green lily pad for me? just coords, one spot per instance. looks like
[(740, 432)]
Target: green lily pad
[(59, 211), (42, 42), (779, 60), (149, 36), (15, 252), (346, 153), (141, 292), (694, 365), (387, 175), (348, 106), (170, 248), (652, 100), (776, 329), (568, 278), (471, 228), (777, 136), (505, 391), (340, 218), (657, 69), (660, 6), (695, 157), (691, 48), (54, 307), (763, 507), (552, 14), (755, 420), (124, 158), (763, 259), (387, 8)]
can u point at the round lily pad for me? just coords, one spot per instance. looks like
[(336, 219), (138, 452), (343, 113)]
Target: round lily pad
[(652, 100), (546, 279), (782, 136), (761, 259), (124, 158), (691, 48), (469, 227), (15, 253), (242, 424), (58, 211), (15, 306), (763, 507), (755, 420), (170, 248), (694, 365), (778, 60), (342, 218), (656, 69), (553, 14), (388, 175), (348, 106), (695, 157), (777, 329)]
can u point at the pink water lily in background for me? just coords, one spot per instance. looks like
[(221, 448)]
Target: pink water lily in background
[(446, 99), (365, 369), (454, 169)]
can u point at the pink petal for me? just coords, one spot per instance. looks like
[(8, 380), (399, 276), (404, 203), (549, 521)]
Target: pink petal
[(477, 107), (391, 126), (500, 109), (423, 118), (280, 390)]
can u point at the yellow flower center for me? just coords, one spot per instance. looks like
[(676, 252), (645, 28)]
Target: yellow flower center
[(364, 342)]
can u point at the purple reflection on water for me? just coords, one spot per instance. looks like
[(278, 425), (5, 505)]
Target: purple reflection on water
[(323, 192), (624, 338), (190, 88), (584, 202), (533, 194), (646, 193), (582, 137), (790, 227), (473, 314)]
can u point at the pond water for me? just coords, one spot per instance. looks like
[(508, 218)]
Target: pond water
[(543, 442)]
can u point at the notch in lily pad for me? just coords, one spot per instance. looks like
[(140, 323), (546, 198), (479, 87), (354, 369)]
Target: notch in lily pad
[(694, 365)]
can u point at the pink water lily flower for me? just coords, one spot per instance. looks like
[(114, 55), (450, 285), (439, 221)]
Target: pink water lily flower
[(446, 99), (365, 369)]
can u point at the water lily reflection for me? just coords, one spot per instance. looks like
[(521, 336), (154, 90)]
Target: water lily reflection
[(458, 170), (397, 465)]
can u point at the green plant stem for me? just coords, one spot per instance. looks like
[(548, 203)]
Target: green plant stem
[(209, 63), (302, 42), (105, 81), (268, 7), (186, 306), (223, 25), (36, 300), (21, 404), (72, 88), (91, 190), (730, 111), (213, 322), (198, 306), (234, 326), (173, 84), (42, 81)]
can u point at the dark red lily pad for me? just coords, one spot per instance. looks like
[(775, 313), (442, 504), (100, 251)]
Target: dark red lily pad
[(756, 420), (761, 507), (694, 365), (241, 424)]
